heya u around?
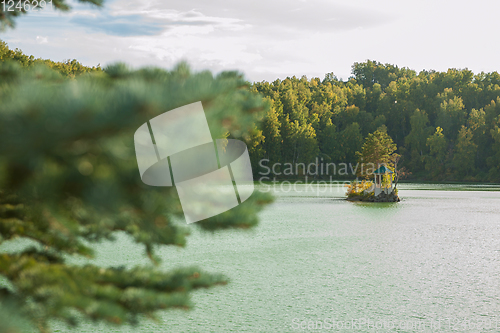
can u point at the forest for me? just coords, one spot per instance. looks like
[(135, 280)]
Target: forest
[(446, 125), (67, 68)]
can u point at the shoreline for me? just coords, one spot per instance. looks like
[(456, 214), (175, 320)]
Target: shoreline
[(347, 181)]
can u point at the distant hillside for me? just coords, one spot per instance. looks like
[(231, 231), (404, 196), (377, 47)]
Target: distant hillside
[(446, 124), (68, 68)]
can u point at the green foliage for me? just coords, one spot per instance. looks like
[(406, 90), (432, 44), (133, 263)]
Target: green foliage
[(329, 144), (465, 149), (271, 130), (435, 162), (451, 115), (416, 139), (410, 105), (254, 142), (68, 68), (69, 178), (494, 160), (378, 149), (362, 189)]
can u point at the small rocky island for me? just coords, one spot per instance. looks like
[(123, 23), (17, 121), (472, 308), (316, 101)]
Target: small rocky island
[(381, 190), (382, 197)]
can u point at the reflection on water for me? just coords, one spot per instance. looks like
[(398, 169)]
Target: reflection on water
[(424, 264)]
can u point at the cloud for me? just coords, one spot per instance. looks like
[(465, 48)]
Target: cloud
[(147, 22), (312, 15), (263, 38), (127, 25), (266, 39), (42, 40)]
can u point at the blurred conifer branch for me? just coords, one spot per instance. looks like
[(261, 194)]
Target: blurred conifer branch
[(69, 178)]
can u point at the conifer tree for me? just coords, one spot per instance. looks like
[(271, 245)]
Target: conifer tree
[(69, 178), (272, 133)]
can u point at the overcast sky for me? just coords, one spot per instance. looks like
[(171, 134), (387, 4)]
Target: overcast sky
[(268, 39)]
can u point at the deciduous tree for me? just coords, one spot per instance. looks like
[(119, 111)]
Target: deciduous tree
[(378, 149), (435, 161)]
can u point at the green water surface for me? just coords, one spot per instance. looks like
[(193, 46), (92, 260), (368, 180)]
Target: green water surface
[(430, 263)]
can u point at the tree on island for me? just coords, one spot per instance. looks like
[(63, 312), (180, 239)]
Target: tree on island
[(69, 179), (378, 149)]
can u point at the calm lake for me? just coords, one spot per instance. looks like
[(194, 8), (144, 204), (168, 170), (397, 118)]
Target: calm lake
[(430, 263)]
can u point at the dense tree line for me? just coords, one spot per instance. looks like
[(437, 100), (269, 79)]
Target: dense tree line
[(446, 124), (68, 68)]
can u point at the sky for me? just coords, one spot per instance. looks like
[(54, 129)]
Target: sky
[(267, 39)]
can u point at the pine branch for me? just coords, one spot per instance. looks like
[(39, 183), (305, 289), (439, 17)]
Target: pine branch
[(69, 177)]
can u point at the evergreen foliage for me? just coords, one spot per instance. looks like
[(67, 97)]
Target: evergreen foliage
[(69, 179)]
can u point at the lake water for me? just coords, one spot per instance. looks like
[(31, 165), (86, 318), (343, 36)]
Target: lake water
[(430, 263)]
